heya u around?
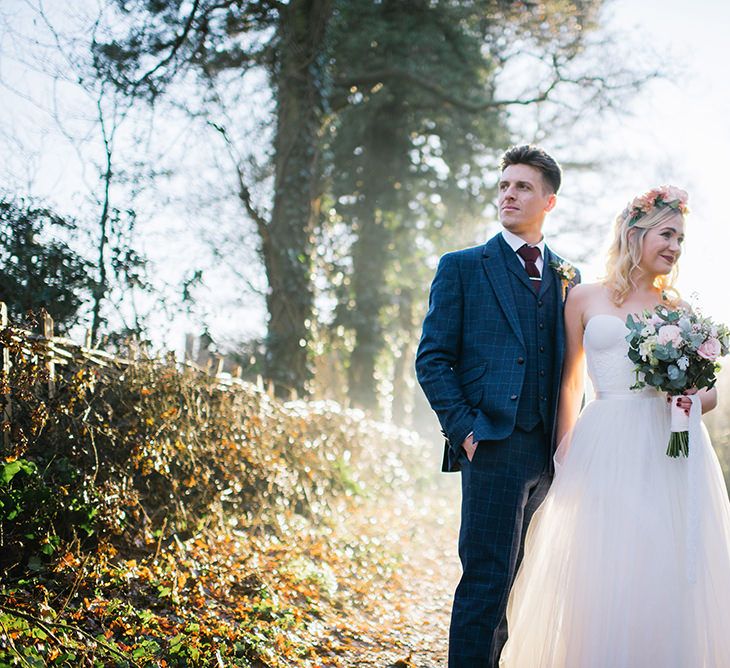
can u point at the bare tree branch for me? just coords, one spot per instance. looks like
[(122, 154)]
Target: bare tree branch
[(395, 74), (175, 46), (601, 83), (244, 192)]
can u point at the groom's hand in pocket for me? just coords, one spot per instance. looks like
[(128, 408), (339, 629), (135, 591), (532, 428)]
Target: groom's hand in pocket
[(470, 447)]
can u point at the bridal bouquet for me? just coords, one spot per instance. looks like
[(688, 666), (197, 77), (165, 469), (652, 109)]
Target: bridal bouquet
[(674, 350)]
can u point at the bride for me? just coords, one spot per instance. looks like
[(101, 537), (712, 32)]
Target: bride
[(627, 561)]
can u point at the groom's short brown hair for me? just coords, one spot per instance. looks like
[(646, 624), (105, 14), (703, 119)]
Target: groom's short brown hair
[(527, 154)]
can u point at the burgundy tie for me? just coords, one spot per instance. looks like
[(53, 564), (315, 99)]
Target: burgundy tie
[(530, 254)]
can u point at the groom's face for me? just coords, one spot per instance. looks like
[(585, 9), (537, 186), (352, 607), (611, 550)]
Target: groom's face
[(523, 200)]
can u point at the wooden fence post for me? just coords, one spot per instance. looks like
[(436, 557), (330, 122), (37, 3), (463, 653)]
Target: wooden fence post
[(133, 348), (6, 400), (48, 326)]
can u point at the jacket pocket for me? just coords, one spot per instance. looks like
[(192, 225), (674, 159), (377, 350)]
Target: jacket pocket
[(471, 386)]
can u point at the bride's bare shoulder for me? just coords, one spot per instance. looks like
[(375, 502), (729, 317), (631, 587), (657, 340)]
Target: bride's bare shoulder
[(587, 292), (585, 300)]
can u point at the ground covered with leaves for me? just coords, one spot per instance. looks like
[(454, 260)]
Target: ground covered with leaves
[(152, 517)]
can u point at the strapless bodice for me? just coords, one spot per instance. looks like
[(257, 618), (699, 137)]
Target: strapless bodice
[(609, 367)]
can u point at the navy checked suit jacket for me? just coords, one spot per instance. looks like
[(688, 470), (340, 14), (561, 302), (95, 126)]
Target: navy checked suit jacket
[(467, 359)]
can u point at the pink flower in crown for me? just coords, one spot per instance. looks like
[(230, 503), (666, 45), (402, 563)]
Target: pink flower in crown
[(710, 349), (672, 194), (643, 202), (669, 196), (669, 334)]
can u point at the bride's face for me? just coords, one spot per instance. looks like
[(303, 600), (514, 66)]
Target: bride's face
[(662, 246)]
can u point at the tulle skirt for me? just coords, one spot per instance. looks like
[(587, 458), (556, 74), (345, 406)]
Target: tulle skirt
[(627, 561)]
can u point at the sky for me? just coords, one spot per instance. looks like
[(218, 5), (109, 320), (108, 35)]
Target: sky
[(678, 132), (675, 131)]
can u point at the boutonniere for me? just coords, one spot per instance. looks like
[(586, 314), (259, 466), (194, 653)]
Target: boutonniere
[(566, 272)]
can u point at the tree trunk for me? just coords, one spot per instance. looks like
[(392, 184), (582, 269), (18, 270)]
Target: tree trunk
[(287, 246), (369, 260), (371, 255)]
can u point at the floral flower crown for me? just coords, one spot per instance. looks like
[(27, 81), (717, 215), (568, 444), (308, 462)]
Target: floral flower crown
[(663, 196)]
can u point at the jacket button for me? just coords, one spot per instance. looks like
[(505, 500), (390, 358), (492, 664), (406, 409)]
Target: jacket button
[(542, 372), (520, 360), (514, 397), (542, 349), (539, 303)]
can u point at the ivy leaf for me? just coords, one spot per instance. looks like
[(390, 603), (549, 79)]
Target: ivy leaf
[(11, 469)]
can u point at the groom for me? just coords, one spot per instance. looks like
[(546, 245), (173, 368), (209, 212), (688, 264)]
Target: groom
[(489, 362)]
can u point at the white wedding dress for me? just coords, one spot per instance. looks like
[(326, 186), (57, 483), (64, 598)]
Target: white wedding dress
[(627, 561)]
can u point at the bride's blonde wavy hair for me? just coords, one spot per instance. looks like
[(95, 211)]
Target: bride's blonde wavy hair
[(624, 255)]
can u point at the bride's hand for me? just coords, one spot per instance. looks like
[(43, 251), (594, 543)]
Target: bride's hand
[(685, 403)]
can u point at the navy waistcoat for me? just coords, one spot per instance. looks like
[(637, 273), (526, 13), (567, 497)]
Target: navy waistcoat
[(536, 313)]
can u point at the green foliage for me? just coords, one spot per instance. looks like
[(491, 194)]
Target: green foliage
[(411, 152), (41, 503), (38, 269), (401, 158)]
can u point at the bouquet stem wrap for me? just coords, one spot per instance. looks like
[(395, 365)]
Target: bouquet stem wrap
[(679, 437)]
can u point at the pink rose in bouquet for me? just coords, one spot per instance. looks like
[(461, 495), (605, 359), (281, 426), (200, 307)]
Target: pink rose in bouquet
[(710, 349), (669, 334)]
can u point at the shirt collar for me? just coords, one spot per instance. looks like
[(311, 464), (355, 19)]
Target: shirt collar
[(516, 242)]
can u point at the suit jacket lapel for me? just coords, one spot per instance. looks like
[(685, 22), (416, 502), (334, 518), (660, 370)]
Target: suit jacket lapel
[(495, 267), (557, 286)]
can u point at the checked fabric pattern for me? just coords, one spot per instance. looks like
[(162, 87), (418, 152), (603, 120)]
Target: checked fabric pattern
[(467, 360)]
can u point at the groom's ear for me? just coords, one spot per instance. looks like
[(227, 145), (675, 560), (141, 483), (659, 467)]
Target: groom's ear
[(552, 199)]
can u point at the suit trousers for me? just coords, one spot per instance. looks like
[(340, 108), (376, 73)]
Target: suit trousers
[(501, 488)]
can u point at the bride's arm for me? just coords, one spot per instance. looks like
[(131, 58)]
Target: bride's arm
[(708, 398), (571, 386)]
